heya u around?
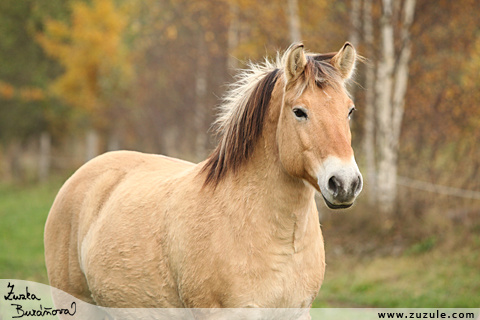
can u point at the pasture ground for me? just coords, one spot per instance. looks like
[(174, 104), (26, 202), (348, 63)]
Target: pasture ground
[(425, 275)]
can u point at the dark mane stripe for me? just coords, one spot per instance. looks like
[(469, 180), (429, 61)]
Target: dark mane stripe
[(237, 143)]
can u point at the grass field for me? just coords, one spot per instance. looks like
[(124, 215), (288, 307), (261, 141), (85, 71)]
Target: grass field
[(23, 211), (430, 280), (434, 278)]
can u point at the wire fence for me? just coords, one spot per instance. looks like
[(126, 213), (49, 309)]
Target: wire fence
[(435, 188)]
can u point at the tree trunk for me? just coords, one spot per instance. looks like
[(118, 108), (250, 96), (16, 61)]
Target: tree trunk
[(91, 144), (114, 138), (294, 21), (354, 37), (355, 14), (401, 74), (200, 107), (44, 159), (233, 29), (391, 87), (386, 156), (369, 120), (14, 165)]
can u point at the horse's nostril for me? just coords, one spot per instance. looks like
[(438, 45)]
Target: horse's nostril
[(358, 185), (355, 185), (334, 185)]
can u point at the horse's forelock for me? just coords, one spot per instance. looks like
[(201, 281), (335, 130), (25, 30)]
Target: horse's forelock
[(322, 72)]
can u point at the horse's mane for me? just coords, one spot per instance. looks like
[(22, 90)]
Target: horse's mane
[(245, 104)]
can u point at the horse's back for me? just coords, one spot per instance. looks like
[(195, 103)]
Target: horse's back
[(80, 206)]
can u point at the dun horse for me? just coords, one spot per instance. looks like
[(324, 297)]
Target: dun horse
[(239, 229)]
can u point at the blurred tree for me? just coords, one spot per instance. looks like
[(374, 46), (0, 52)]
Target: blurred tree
[(96, 63), (176, 41), (390, 88), (25, 108), (182, 52), (294, 21), (439, 139), (369, 114), (233, 34), (435, 128), (355, 20), (201, 110)]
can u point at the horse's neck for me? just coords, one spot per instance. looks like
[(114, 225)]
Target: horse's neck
[(287, 202), (274, 203)]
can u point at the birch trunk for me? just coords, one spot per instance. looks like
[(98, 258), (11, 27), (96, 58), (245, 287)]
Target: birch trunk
[(391, 87), (233, 29), (14, 164), (369, 122), (91, 144), (401, 75), (386, 175), (294, 21), (114, 138), (200, 107), (44, 159), (113, 142), (354, 37), (355, 14)]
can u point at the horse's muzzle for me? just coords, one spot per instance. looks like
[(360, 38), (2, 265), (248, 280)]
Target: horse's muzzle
[(340, 183)]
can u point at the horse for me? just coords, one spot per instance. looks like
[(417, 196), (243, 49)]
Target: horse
[(239, 229)]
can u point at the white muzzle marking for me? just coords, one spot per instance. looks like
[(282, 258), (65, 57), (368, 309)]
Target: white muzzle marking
[(340, 182)]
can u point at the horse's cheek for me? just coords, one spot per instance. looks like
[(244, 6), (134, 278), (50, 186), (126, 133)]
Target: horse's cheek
[(290, 151)]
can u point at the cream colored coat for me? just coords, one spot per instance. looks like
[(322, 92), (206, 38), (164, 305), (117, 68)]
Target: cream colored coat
[(139, 230)]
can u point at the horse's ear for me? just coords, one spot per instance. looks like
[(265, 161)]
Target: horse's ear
[(344, 60), (295, 62)]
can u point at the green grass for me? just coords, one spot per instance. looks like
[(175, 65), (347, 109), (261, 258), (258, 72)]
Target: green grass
[(427, 275), (433, 279), (23, 212)]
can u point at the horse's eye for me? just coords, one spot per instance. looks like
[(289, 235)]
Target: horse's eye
[(300, 113), (352, 109)]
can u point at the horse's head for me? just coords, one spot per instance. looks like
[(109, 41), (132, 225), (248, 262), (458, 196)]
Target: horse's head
[(313, 133)]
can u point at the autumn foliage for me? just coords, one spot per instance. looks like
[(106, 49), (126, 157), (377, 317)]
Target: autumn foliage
[(151, 73), (92, 51)]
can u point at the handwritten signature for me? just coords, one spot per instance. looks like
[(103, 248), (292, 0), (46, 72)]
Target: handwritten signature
[(41, 312)]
